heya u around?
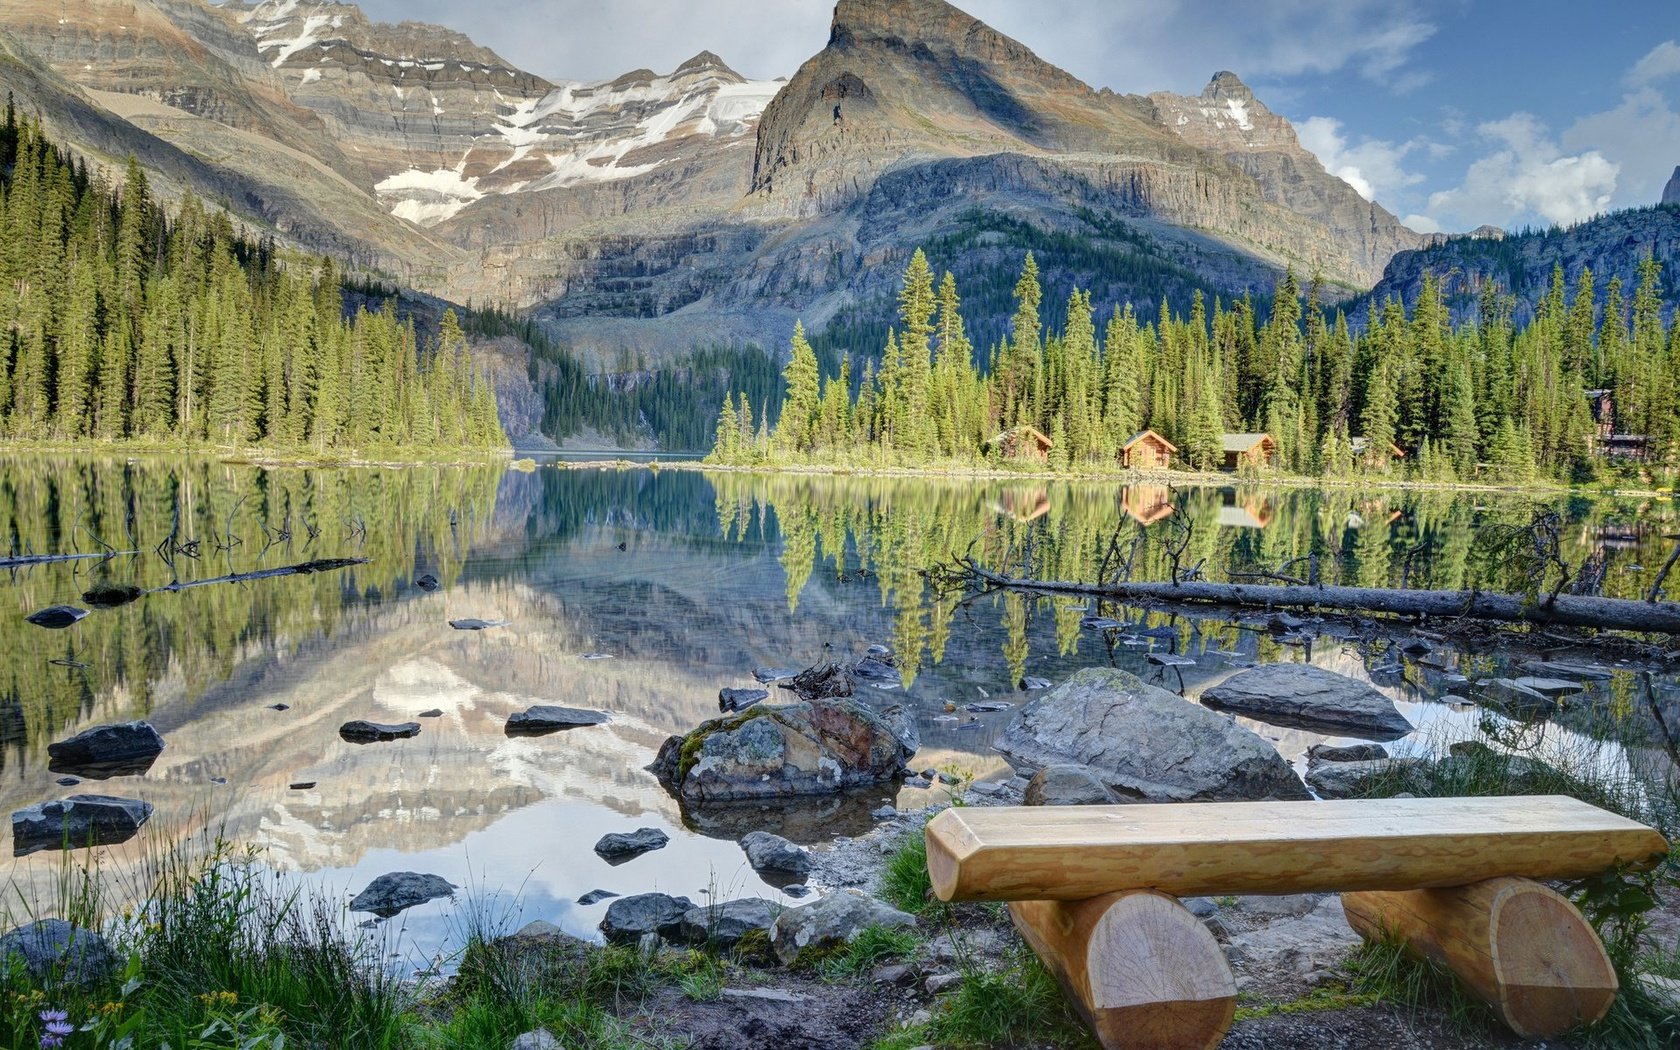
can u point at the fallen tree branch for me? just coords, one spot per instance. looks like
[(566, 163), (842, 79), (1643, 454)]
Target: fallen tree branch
[(1617, 614), (303, 569), (19, 560)]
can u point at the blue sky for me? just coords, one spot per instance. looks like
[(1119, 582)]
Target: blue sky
[(1450, 113)]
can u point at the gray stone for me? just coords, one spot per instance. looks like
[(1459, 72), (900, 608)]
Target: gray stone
[(77, 822), (362, 731), (56, 617), (1200, 907), (537, 1040), (596, 897), (629, 919), (472, 623), (885, 813), (1146, 743), (623, 845), (53, 949), (831, 921), (1306, 697), (1349, 779), (120, 742), (1509, 697), (895, 975), (772, 854), (939, 982), (816, 747), (551, 718), (877, 670), (740, 699), (722, 926), (1349, 753), (1067, 785), (1564, 669), (1553, 687), (398, 890)]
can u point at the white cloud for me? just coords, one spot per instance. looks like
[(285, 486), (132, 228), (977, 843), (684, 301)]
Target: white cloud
[(1374, 167), (1660, 63), (1422, 224), (1642, 135), (1526, 175)]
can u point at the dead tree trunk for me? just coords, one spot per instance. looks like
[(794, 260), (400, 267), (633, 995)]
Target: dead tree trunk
[(322, 565), (1564, 610)]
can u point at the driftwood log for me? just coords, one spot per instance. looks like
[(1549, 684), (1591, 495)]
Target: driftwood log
[(1564, 610), (18, 561), (301, 569)]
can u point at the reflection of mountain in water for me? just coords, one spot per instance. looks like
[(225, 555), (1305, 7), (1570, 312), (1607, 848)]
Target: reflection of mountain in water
[(717, 576)]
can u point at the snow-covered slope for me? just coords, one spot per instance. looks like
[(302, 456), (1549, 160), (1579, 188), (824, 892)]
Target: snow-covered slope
[(442, 122)]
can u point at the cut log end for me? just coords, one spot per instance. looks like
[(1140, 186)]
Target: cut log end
[(1141, 969), (1518, 945)]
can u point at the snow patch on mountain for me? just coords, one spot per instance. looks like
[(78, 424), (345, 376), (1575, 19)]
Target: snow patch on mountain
[(428, 197)]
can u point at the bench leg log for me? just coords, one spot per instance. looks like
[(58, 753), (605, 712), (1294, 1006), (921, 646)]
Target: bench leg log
[(1143, 971), (1517, 944)]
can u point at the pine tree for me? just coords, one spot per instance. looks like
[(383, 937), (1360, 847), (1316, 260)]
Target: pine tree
[(796, 429)]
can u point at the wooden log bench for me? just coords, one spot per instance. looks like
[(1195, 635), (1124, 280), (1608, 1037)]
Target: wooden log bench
[(1094, 890)]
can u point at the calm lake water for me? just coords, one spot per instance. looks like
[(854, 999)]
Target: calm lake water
[(642, 594)]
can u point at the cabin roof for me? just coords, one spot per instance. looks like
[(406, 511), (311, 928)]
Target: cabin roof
[(1024, 428), (1142, 434), (1243, 442)]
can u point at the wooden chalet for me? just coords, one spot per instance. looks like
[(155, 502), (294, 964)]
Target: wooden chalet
[(1248, 450), (1606, 441), (1147, 450), (1362, 451), (1022, 442)]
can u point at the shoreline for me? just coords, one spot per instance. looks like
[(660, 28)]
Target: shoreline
[(236, 455)]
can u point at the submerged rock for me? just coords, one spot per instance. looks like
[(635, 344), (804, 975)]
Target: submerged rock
[(77, 822), (830, 921), (119, 749), (1351, 779), (629, 919), (740, 699), (53, 950), (625, 845), (550, 718), (773, 855), (362, 731), (56, 617), (1146, 743), (475, 624), (426, 582), (1306, 697), (877, 670), (1510, 697), (1552, 687), (1349, 753), (399, 890), (812, 748)]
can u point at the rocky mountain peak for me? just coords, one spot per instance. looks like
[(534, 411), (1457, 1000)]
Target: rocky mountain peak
[(938, 29), (706, 62), (1671, 192), (1227, 85)]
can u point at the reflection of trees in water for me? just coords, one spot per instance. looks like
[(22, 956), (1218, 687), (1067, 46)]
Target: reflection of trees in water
[(404, 521), (895, 527)]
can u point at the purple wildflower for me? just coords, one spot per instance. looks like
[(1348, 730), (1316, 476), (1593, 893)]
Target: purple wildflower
[(58, 1026)]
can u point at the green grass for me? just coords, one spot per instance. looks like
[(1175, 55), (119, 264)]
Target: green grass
[(905, 883), (1018, 1003), (872, 946)]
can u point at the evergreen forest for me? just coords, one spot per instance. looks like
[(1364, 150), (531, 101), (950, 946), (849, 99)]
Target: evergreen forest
[(1413, 392), (119, 322)]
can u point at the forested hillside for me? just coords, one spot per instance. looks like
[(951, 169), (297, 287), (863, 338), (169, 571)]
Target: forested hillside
[(1487, 398), (119, 322)]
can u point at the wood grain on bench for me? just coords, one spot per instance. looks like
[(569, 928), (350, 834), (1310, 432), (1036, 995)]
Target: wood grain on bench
[(1072, 853)]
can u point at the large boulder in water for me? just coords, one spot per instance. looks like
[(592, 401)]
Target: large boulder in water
[(119, 749), (816, 747), (1146, 743), (399, 890), (1302, 696), (77, 822)]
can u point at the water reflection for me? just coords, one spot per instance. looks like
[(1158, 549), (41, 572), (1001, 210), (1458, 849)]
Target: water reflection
[(688, 582)]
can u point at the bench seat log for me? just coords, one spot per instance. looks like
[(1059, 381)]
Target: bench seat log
[(1518, 945), (1141, 969), (1074, 853)]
